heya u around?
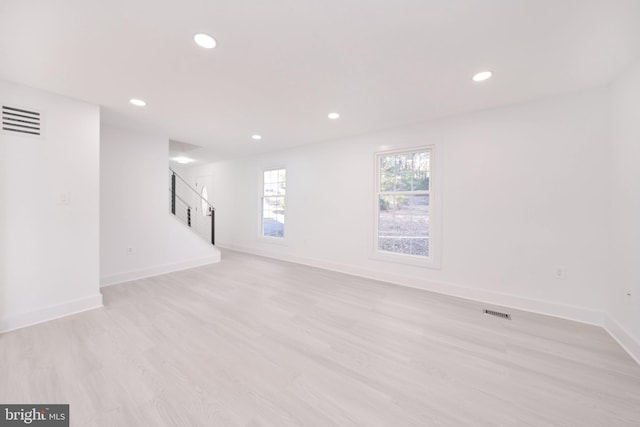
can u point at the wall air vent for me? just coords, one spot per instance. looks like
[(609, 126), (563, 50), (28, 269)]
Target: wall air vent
[(498, 314), (20, 121)]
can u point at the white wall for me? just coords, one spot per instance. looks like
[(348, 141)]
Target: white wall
[(134, 207), (624, 310), (524, 189), (49, 259)]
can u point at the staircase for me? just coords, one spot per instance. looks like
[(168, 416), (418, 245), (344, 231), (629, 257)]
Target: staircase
[(190, 208)]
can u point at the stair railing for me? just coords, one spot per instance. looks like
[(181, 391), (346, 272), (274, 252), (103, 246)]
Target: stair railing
[(182, 198)]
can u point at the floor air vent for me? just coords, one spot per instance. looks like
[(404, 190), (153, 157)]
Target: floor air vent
[(498, 314), (20, 121)]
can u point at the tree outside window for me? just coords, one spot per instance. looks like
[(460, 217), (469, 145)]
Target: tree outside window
[(273, 202), (403, 191)]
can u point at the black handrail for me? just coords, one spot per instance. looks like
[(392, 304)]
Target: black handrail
[(173, 193), (175, 174), (174, 196), (213, 227)]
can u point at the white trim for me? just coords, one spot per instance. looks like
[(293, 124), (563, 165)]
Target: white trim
[(623, 337), (157, 270), (549, 308), (46, 314), (272, 239), (434, 260)]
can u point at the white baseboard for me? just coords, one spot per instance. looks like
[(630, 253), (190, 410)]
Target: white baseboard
[(157, 270), (598, 318), (623, 337), (45, 314), (579, 314)]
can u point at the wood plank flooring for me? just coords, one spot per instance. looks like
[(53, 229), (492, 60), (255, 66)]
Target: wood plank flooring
[(257, 342)]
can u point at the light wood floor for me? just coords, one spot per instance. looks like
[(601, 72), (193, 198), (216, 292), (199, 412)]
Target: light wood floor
[(258, 342)]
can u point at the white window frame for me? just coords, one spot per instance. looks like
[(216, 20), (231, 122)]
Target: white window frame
[(434, 258), (272, 239)]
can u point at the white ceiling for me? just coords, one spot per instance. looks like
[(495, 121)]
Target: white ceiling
[(282, 65)]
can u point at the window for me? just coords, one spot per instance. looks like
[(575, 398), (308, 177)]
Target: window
[(206, 210), (273, 202), (403, 203)]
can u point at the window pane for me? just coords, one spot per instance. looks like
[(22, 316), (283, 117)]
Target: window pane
[(279, 188), (271, 189), (420, 171), (387, 173), (403, 224), (206, 210), (274, 182), (266, 182), (273, 216), (273, 203), (405, 172)]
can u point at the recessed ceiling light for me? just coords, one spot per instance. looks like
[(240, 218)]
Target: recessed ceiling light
[(256, 137), (137, 102), (205, 40), (333, 116), (182, 160), (482, 76)]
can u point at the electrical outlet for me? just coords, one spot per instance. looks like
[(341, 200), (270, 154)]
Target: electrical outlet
[(560, 272), (129, 251), (64, 198)]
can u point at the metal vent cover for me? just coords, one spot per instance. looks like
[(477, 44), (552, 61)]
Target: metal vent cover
[(21, 121), (498, 314)]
